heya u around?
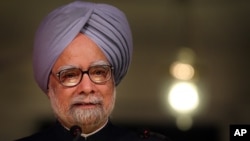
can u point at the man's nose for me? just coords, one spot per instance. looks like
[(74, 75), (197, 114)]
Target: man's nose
[(86, 86)]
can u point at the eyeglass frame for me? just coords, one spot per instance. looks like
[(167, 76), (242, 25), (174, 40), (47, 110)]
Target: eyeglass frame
[(111, 68)]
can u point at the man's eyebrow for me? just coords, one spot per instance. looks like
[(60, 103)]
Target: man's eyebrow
[(100, 62), (66, 67)]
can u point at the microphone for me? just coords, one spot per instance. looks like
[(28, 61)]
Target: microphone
[(76, 132)]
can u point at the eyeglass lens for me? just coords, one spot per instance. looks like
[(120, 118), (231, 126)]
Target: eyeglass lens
[(97, 74)]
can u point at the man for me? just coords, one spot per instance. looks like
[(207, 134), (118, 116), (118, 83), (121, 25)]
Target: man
[(81, 53)]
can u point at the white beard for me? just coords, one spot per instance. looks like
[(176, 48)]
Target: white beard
[(73, 115)]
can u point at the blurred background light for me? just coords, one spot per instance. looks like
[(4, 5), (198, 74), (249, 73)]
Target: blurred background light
[(182, 71), (183, 97), (184, 122), (186, 55)]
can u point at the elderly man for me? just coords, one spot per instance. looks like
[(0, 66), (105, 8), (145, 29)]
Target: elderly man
[(81, 53)]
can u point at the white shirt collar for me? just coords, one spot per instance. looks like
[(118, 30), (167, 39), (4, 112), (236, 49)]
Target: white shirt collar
[(92, 133)]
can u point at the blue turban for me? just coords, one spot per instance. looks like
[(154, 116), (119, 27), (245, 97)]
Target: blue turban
[(106, 25)]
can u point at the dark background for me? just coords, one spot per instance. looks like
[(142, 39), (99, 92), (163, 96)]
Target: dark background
[(216, 30)]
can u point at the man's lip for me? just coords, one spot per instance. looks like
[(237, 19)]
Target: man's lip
[(85, 104)]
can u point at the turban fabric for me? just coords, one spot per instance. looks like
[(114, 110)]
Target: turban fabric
[(106, 25)]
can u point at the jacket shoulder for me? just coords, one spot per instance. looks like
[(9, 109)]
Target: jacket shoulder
[(52, 133)]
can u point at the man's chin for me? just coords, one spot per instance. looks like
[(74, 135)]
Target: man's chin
[(88, 116)]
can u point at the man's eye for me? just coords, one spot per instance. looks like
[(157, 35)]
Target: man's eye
[(69, 75), (99, 72)]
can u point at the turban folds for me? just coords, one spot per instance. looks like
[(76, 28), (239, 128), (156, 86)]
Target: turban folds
[(106, 25)]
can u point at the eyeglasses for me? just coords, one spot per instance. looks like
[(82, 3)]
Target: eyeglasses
[(73, 76)]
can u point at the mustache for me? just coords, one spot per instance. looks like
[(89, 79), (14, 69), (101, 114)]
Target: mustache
[(86, 100)]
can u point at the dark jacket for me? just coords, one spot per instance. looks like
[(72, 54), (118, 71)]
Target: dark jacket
[(109, 133)]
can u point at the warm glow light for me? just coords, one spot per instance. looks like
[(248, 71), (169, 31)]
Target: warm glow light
[(184, 123), (182, 71), (183, 97)]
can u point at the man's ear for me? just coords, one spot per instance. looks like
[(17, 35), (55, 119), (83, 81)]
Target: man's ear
[(48, 95), (49, 88), (48, 92)]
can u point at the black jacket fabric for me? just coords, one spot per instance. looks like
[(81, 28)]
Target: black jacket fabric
[(109, 133)]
